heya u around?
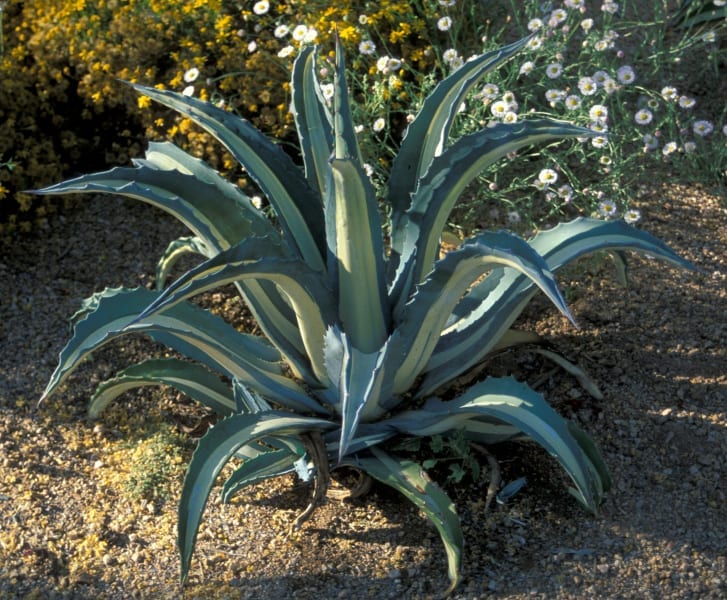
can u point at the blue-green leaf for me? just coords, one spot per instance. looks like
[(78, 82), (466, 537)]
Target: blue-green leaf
[(189, 378), (509, 401), (312, 119), (215, 210), (358, 256), (215, 449), (305, 289), (425, 316), (344, 133), (264, 466), (412, 481), (450, 173), (176, 250), (194, 332), (298, 208), (492, 306), (426, 136)]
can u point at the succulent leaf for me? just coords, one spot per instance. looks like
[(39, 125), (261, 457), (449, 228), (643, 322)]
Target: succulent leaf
[(298, 208), (412, 481), (358, 256), (509, 401), (218, 220), (264, 466), (426, 136), (305, 289), (196, 333), (345, 140), (176, 250), (492, 306), (449, 174), (214, 450), (192, 379), (312, 119), (434, 300)]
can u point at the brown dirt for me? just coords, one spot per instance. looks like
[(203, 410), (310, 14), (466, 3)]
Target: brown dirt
[(70, 527)]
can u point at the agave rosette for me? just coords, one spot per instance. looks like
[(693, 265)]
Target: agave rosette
[(370, 330)]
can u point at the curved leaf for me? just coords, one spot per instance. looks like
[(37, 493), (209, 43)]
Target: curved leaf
[(264, 466), (492, 306), (305, 289), (298, 208), (450, 173), (176, 250), (194, 332), (512, 402), (426, 136), (191, 379), (214, 450), (412, 481), (312, 119), (424, 318), (215, 210)]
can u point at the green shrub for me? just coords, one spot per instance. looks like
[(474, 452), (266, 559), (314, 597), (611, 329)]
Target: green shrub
[(362, 338)]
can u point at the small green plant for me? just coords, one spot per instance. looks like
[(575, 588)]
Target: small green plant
[(692, 13), (365, 329), (156, 460)]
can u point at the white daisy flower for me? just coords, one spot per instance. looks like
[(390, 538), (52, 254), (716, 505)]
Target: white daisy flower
[(281, 31), (651, 142), (598, 113), (643, 116), (632, 216), (607, 208), (587, 86), (444, 24), (449, 55), (299, 32), (499, 109), (554, 70), (527, 67), (261, 7), (554, 96), (367, 47), (702, 128), (626, 75), (534, 43), (547, 176), (310, 35), (669, 148), (573, 102), (191, 75), (379, 124), (669, 93), (600, 77)]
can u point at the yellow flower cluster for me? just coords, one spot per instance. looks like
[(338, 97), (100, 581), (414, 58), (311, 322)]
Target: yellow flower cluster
[(65, 61)]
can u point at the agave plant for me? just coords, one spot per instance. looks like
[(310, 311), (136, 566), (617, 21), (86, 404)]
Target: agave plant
[(365, 326)]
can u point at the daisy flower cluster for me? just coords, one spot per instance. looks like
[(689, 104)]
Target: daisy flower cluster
[(580, 68), (579, 65)]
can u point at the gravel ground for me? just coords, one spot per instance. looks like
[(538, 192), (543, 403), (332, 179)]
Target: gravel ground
[(70, 526)]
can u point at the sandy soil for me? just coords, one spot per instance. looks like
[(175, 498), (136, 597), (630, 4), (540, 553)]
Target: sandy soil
[(71, 528)]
